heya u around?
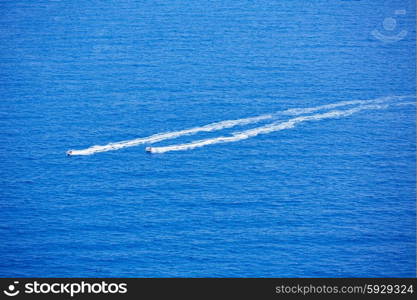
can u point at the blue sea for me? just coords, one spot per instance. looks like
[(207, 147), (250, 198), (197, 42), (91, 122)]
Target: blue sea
[(324, 187)]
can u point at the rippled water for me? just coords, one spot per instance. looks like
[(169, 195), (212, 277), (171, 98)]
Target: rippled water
[(331, 196)]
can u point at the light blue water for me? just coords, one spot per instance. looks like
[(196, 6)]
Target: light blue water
[(328, 198)]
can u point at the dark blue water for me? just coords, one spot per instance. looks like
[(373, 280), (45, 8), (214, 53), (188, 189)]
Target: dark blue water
[(330, 198)]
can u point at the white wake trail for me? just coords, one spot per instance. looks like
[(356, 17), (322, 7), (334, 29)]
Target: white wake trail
[(223, 125), (273, 127), (169, 135), (301, 111)]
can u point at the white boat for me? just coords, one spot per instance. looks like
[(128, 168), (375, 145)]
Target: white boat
[(148, 149)]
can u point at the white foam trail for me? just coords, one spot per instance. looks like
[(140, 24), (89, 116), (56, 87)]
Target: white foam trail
[(405, 103), (169, 135), (300, 111), (273, 127), (222, 125)]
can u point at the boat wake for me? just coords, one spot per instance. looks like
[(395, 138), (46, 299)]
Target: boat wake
[(169, 135), (303, 115)]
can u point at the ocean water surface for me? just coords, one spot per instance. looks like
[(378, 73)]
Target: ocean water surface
[(310, 190)]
